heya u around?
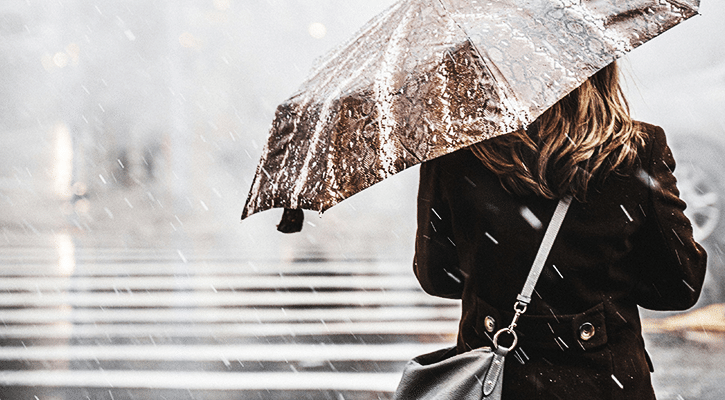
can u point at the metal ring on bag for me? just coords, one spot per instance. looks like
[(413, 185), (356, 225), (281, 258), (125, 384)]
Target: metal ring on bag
[(509, 331)]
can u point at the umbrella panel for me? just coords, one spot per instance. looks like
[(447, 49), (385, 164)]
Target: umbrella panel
[(429, 77)]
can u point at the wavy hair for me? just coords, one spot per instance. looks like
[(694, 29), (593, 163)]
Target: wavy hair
[(584, 137)]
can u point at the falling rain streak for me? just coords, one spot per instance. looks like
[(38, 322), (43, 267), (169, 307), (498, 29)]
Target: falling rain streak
[(488, 235), (626, 213), (614, 378), (530, 217)]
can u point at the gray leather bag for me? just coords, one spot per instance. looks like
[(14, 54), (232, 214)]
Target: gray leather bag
[(476, 374)]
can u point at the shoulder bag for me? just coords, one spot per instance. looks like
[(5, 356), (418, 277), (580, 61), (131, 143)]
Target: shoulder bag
[(475, 374)]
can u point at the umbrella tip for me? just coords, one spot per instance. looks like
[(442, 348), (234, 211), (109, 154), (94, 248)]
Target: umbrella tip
[(291, 221)]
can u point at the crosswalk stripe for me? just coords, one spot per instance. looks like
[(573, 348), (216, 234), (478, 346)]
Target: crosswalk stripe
[(213, 381), (61, 330), (49, 268), (218, 282), (221, 299), (211, 314), (280, 352)]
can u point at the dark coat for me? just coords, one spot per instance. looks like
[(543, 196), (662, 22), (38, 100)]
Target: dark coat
[(629, 244)]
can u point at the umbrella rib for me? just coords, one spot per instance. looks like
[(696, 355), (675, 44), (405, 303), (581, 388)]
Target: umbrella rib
[(498, 77), (319, 129), (420, 160), (385, 97)]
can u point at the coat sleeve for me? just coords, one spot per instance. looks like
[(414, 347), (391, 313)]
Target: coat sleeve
[(436, 260), (672, 263)]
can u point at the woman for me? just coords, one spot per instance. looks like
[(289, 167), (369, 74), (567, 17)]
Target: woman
[(482, 213)]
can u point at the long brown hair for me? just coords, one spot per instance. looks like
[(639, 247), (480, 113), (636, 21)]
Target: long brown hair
[(586, 136)]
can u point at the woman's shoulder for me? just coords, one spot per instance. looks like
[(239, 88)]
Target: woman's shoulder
[(652, 133), (654, 142)]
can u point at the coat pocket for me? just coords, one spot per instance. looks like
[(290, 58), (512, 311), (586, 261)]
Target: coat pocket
[(580, 332)]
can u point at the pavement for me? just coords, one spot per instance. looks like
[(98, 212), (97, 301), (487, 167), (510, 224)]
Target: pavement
[(180, 321)]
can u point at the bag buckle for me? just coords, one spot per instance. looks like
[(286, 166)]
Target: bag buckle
[(519, 308)]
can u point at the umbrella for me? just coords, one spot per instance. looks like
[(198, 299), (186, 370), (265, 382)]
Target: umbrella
[(428, 77)]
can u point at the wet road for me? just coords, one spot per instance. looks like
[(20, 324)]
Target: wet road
[(167, 323)]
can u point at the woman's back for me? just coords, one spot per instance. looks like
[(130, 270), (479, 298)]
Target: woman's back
[(629, 244)]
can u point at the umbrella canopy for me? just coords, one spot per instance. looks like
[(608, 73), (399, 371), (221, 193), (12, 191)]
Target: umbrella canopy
[(428, 77)]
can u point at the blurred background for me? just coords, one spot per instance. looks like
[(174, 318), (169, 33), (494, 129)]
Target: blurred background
[(129, 135)]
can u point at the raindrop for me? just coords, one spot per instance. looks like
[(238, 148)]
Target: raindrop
[(647, 179), (181, 255), (552, 313), (523, 353), (128, 202), (629, 217), (455, 278), (620, 316), (614, 378), (434, 212), (530, 217), (488, 235), (557, 271)]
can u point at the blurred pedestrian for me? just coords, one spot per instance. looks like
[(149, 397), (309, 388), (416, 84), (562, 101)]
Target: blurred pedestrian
[(626, 242)]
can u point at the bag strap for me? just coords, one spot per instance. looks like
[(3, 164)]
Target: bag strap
[(544, 249), (524, 298)]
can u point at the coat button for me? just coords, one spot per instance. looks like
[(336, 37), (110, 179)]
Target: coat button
[(586, 331), (489, 323)]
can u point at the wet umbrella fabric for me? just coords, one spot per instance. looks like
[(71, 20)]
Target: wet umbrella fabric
[(428, 77)]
